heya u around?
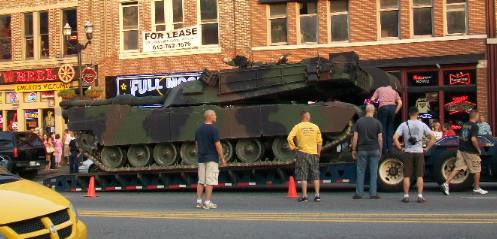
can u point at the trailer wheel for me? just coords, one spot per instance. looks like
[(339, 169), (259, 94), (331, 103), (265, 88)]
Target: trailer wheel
[(444, 166), (390, 174)]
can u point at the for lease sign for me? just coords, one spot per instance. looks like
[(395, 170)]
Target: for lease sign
[(188, 37)]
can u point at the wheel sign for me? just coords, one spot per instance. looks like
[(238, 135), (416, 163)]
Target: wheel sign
[(66, 73), (88, 75)]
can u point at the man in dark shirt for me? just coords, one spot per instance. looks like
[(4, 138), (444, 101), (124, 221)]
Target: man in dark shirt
[(367, 145), (209, 152), (468, 155), (73, 157)]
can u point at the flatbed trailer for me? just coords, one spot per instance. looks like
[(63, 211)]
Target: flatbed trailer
[(229, 177)]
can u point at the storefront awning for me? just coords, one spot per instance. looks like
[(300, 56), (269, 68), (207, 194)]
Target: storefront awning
[(425, 61)]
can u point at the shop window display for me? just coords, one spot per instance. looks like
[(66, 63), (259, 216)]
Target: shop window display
[(1, 121), (427, 104), (11, 98), (30, 97), (12, 120), (457, 107), (31, 118)]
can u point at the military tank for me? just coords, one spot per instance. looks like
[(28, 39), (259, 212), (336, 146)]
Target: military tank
[(257, 105)]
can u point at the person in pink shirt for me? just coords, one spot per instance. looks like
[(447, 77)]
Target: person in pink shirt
[(389, 105), (58, 150)]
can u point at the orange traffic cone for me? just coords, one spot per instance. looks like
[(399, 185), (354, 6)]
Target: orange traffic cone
[(91, 188), (292, 189)]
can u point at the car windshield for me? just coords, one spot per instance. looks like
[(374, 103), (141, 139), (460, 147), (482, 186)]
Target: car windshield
[(28, 140), (6, 176)]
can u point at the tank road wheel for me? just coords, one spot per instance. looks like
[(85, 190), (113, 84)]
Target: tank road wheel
[(165, 154), (139, 155), (227, 150), (281, 150), (188, 153), (112, 156), (249, 150), (390, 174)]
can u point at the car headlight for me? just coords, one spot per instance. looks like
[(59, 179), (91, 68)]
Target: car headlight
[(74, 211)]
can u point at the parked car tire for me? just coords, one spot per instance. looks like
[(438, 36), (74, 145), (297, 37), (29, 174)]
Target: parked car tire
[(442, 168), (390, 173)]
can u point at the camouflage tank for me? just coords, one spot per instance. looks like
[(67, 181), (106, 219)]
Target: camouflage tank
[(256, 106)]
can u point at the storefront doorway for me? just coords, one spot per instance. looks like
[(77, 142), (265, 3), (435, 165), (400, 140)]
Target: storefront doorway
[(48, 121)]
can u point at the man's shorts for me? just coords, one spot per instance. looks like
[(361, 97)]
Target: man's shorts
[(469, 161), (208, 173), (306, 167), (414, 162)]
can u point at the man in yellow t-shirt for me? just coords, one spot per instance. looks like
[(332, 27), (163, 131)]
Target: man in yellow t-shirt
[(308, 150)]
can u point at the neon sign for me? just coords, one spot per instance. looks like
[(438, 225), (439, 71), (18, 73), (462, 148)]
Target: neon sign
[(459, 104), (460, 79)]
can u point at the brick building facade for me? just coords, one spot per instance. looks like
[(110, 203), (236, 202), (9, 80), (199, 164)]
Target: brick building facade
[(389, 34)]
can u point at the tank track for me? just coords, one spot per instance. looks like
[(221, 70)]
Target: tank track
[(179, 167)]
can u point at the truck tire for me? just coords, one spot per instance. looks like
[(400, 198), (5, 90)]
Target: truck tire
[(442, 168), (390, 173)]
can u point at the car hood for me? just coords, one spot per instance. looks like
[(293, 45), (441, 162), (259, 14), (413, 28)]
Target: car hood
[(24, 199)]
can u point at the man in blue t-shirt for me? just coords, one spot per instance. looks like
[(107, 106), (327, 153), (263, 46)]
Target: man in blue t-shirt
[(209, 153)]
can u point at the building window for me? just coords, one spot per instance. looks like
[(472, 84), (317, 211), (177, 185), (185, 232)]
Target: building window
[(456, 16), (278, 23), (308, 22), (44, 46), (389, 18), (70, 16), (5, 38), (208, 20), (168, 15), (422, 19), (129, 23), (339, 20), (28, 35)]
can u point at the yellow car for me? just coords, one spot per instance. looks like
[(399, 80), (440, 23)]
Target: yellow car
[(30, 210)]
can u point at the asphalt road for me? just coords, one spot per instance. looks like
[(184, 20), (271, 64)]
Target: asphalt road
[(272, 215)]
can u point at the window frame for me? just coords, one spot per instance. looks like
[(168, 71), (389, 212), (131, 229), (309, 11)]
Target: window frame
[(446, 22), (123, 5), (168, 15), (9, 37), (268, 24), (379, 27), (299, 16), (38, 41), (64, 43), (330, 15), (432, 19), (201, 22), (24, 36)]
